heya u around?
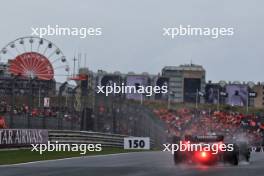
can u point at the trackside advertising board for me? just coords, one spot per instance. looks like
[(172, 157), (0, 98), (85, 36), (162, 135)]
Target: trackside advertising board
[(22, 137)]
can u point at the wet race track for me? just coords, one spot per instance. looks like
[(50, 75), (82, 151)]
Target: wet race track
[(132, 164)]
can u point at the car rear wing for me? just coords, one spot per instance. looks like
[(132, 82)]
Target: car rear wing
[(206, 138)]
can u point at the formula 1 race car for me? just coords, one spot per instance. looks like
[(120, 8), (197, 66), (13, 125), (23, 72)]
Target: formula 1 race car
[(210, 149)]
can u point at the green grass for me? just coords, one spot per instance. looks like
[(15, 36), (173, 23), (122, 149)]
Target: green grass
[(26, 155)]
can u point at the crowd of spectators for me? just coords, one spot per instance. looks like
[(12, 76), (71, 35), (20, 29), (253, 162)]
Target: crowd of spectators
[(202, 122), (34, 112), (24, 110), (180, 122), (2, 122)]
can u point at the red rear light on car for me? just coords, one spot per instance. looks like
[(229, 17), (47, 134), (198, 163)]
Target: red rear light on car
[(202, 156)]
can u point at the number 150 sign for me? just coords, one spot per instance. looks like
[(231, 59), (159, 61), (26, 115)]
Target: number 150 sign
[(137, 143)]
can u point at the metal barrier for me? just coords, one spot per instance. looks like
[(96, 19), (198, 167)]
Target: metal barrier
[(17, 138), (85, 137)]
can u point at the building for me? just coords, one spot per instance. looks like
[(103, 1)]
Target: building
[(237, 94), (259, 99), (212, 93), (185, 81)]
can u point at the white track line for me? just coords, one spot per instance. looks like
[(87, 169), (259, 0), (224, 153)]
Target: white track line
[(54, 160)]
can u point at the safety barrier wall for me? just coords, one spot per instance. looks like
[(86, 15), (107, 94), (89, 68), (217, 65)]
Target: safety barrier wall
[(15, 138), (85, 137)]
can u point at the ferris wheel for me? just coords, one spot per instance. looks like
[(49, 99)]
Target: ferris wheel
[(34, 57)]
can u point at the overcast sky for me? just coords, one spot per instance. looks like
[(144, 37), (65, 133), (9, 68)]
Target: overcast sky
[(132, 33)]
